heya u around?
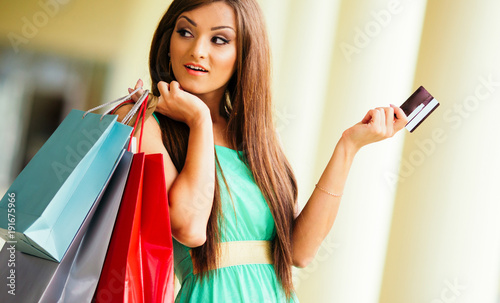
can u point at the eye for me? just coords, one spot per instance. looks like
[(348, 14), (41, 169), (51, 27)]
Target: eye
[(219, 40), (184, 33)]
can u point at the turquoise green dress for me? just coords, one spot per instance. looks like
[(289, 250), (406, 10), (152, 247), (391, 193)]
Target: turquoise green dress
[(252, 221)]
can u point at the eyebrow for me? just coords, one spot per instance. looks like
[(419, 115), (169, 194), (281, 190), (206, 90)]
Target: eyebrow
[(213, 28)]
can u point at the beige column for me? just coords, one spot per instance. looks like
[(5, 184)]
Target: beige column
[(445, 237), (373, 64), (301, 36), (131, 59)]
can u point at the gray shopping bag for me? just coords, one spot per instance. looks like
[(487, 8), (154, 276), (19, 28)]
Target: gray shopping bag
[(75, 278)]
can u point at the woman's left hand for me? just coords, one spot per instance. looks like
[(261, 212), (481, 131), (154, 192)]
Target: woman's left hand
[(378, 124)]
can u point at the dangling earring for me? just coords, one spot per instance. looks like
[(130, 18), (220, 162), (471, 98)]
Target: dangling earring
[(228, 106)]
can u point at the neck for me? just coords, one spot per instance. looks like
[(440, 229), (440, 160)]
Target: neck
[(213, 100)]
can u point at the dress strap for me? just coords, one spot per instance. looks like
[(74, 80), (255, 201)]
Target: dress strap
[(156, 118), (242, 253)]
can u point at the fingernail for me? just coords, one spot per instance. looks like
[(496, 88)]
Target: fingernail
[(139, 80)]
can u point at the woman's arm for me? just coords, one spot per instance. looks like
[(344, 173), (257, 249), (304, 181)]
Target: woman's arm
[(317, 217), (191, 191)]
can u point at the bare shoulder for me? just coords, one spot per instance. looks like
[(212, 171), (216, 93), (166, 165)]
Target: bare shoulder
[(122, 111), (150, 125), (152, 140), (152, 143)]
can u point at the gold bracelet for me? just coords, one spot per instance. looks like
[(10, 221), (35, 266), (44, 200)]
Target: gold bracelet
[(331, 194)]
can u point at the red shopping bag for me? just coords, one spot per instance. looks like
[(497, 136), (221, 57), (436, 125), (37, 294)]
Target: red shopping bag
[(121, 279), (156, 235), (139, 263)]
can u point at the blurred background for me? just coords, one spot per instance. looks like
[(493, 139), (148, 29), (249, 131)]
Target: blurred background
[(420, 217)]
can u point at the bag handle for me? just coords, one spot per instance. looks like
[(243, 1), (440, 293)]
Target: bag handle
[(127, 97), (135, 108), (132, 111), (139, 106), (142, 111)]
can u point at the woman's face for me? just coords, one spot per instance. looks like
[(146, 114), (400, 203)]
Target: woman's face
[(203, 48)]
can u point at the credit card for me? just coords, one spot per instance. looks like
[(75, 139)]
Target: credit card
[(418, 107)]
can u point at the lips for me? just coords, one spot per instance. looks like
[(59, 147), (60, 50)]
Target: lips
[(195, 68)]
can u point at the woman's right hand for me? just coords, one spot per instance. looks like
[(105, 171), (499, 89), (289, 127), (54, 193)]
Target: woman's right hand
[(176, 103)]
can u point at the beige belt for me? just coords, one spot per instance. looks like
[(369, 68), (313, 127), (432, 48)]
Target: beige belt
[(243, 252)]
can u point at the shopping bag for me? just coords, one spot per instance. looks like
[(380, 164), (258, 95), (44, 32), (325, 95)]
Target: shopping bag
[(47, 203), (81, 281), (156, 235), (55, 191), (139, 263), (75, 278), (121, 277)]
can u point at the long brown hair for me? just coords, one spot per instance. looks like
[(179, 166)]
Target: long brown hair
[(250, 128)]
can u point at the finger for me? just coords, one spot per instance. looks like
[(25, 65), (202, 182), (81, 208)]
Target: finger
[(374, 121), (368, 117), (389, 115), (389, 119), (381, 119), (139, 83), (139, 93), (135, 96), (401, 118), (130, 90), (175, 86), (164, 88), (381, 114)]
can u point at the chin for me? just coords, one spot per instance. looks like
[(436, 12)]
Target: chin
[(193, 88)]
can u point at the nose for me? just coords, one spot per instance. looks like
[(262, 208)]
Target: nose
[(200, 49)]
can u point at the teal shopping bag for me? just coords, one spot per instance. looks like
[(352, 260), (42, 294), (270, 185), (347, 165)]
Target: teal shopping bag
[(49, 200)]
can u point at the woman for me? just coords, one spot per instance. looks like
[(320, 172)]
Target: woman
[(232, 193)]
